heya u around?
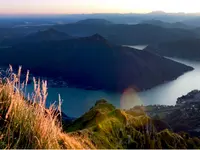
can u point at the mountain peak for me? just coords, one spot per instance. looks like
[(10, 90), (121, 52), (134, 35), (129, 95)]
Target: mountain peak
[(158, 12), (50, 34), (50, 30), (102, 101), (95, 21), (97, 37)]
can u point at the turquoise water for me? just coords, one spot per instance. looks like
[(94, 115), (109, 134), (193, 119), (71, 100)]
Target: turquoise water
[(78, 101)]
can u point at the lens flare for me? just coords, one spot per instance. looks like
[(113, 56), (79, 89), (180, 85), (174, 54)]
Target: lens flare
[(129, 99)]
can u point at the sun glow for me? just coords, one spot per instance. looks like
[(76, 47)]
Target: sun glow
[(97, 6)]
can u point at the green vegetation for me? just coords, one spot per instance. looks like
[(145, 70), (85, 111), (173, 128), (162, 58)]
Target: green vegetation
[(108, 127), (26, 123)]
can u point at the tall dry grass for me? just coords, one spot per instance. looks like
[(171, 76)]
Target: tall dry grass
[(25, 122)]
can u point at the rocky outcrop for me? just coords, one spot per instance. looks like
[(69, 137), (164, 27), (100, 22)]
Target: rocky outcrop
[(187, 112), (191, 97)]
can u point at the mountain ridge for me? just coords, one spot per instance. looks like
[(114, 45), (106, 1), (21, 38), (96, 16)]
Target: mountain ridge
[(185, 48), (166, 24), (92, 62), (94, 21), (139, 34), (42, 35), (109, 127)]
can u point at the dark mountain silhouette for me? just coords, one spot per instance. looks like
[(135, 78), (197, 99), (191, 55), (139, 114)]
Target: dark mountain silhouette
[(94, 22), (92, 62), (48, 35), (128, 34), (10, 33), (124, 34), (195, 21), (186, 48), (197, 31), (42, 35), (97, 37), (166, 24)]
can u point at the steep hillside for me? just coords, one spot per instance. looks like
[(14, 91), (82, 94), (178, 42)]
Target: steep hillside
[(179, 25), (140, 34), (42, 35), (108, 127), (95, 22), (192, 21), (186, 48), (124, 34), (93, 62), (25, 122)]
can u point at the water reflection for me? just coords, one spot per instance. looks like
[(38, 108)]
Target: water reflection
[(167, 93), (138, 47), (78, 101)]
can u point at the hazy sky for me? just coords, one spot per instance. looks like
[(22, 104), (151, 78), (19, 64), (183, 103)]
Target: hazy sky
[(96, 6)]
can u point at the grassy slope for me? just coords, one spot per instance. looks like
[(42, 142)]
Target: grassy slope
[(108, 127), (31, 125), (26, 124)]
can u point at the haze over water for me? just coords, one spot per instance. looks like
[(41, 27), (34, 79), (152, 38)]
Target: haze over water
[(77, 101)]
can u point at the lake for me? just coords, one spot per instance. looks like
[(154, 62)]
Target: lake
[(78, 101), (139, 47)]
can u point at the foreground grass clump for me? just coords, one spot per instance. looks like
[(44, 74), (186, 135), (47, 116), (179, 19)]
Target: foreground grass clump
[(26, 123)]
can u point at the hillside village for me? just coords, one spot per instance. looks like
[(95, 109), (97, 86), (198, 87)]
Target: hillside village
[(186, 111)]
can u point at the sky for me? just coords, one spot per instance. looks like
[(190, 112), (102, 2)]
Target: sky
[(96, 6)]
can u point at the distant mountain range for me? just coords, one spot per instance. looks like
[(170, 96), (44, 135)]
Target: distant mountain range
[(127, 34), (195, 21), (94, 22), (166, 24), (92, 62), (151, 32), (127, 18), (42, 35), (186, 48)]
